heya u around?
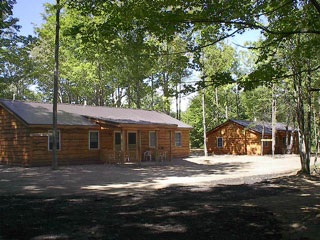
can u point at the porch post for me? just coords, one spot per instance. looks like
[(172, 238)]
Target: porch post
[(170, 149), (157, 146), (123, 145), (139, 146)]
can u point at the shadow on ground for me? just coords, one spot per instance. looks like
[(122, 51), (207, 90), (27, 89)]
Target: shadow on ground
[(221, 212), (76, 179)]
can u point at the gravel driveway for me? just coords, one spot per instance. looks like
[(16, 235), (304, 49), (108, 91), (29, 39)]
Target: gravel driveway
[(200, 172)]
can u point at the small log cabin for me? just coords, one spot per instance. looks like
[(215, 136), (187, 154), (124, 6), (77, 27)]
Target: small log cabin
[(88, 134), (244, 138)]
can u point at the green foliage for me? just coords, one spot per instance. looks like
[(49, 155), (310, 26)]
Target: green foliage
[(15, 64), (215, 112), (257, 103), (127, 69)]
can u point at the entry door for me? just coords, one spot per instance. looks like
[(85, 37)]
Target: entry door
[(117, 141), (117, 146), (132, 140)]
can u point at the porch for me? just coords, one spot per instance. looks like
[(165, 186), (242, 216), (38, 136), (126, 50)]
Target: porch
[(135, 145)]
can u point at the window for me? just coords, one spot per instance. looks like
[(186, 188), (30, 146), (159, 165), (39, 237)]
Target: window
[(117, 141), (177, 139), (50, 140), (132, 140), (152, 139), (265, 144), (219, 142), (93, 139)]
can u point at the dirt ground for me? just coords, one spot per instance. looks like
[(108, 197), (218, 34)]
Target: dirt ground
[(124, 179), (195, 198)]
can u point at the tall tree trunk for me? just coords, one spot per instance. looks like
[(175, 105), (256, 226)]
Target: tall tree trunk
[(204, 124), (317, 144), (179, 101), (227, 117), (217, 98), (152, 93), (274, 120), (59, 97), (166, 92), (238, 101), (288, 136), (138, 91), (129, 96), (304, 160), (217, 113), (292, 135), (55, 88), (165, 83), (262, 143), (315, 127), (309, 117), (113, 103), (204, 109), (100, 91)]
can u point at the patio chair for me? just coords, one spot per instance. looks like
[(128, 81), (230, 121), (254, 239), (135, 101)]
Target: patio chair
[(162, 156), (146, 155)]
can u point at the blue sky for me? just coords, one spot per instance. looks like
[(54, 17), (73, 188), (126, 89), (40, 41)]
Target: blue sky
[(29, 13)]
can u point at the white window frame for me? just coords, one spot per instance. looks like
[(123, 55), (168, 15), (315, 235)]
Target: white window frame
[(155, 142), (89, 138), (175, 143), (50, 132), (218, 142)]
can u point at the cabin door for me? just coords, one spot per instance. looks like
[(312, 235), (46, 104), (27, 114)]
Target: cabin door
[(132, 146), (117, 146)]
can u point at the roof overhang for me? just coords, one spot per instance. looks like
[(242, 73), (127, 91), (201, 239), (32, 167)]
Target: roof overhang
[(96, 126), (123, 124)]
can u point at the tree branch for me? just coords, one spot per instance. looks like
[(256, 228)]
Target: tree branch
[(252, 26), (198, 48), (295, 74), (316, 5), (274, 10)]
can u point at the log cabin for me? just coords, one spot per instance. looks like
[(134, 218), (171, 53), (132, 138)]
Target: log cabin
[(88, 134), (241, 137)]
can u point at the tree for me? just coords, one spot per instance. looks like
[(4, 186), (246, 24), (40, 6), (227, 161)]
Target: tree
[(215, 63), (55, 88), (292, 60), (15, 64)]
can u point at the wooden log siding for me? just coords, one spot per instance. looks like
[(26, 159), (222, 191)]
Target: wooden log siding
[(233, 140), (281, 148), (74, 148), (239, 141), (236, 140), (184, 149), (25, 145), (14, 140), (163, 143), (106, 145)]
